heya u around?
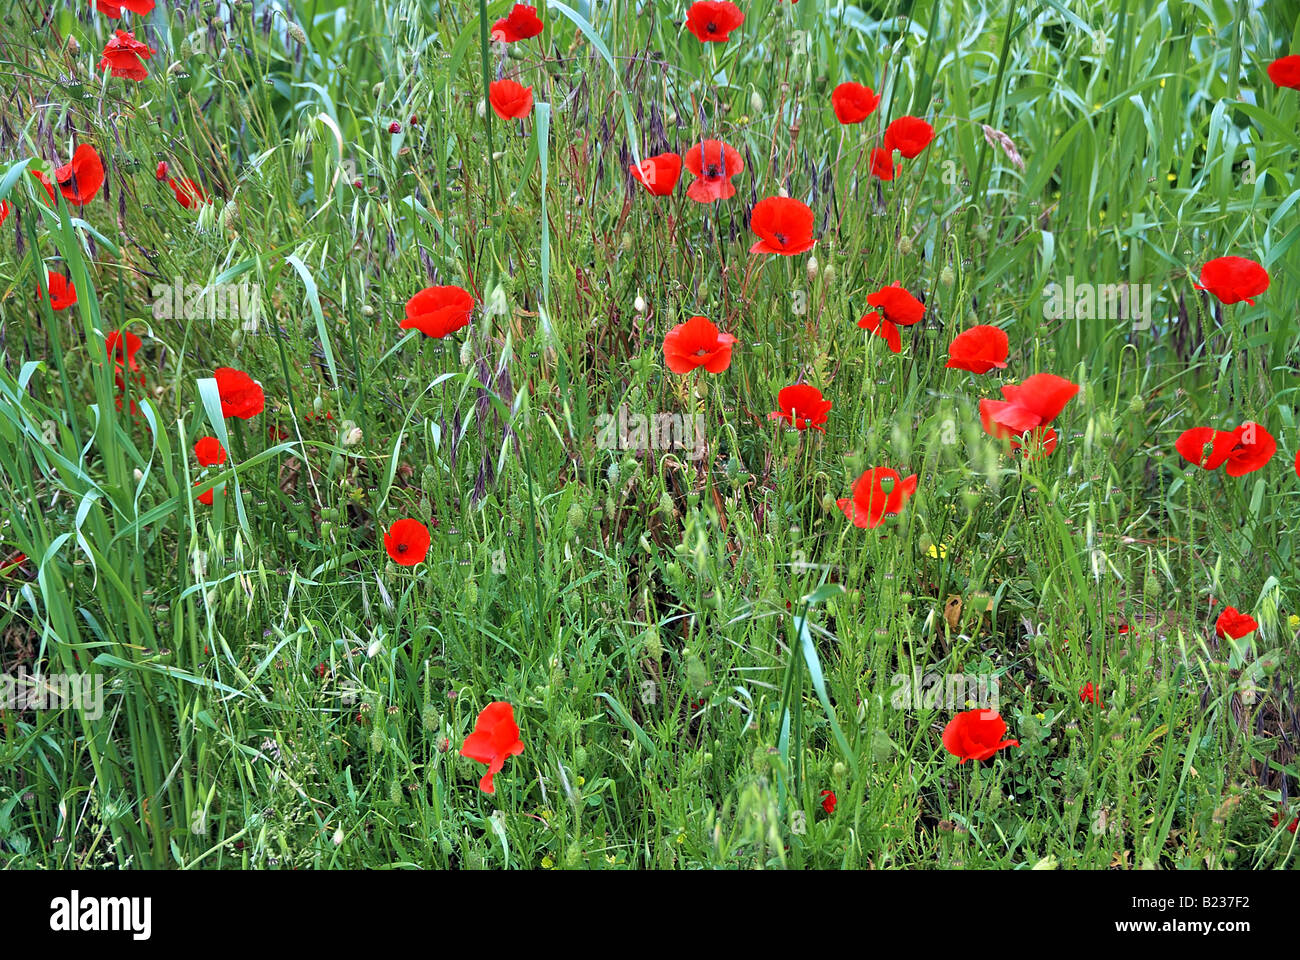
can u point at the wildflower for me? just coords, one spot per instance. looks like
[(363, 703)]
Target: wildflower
[(407, 542), (438, 311), (697, 343), (494, 740), (976, 735)]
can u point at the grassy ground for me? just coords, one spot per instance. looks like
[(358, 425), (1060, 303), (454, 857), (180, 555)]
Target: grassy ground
[(695, 649)]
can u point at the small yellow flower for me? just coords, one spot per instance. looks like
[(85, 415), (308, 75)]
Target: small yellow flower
[(1293, 622), (1171, 177), (547, 863), (581, 781), (1041, 716), (545, 815), (939, 551), (1162, 81)]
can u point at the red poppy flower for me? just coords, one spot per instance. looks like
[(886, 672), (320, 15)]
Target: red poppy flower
[(658, 174), (1040, 442), (784, 225), (1277, 822), (1285, 72), (438, 311), (4, 211), (882, 165), (976, 735), (697, 343), (62, 293), (979, 349), (13, 563), (712, 22), (895, 307), (714, 163), (122, 346), (871, 501), (802, 406), (125, 56), (1034, 403), (210, 452), (1245, 449), (206, 496), (1297, 463), (853, 103), (494, 740), (407, 542), (828, 801), (188, 193), (1233, 279), (522, 24), (114, 8), (510, 100), (1233, 623), (81, 179), (45, 182), (241, 395), (1088, 695), (160, 172), (909, 136)]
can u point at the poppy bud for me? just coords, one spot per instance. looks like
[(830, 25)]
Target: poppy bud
[(666, 506), (338, 834), (905, 245), (639, 304), (236, 336), (74, 48), (626, 242), (466, 352), (981, 232), (295, 31), (783, 192), (653, 647), (947, 277), (367, 310), (394, 127), (755, 102), (482, 109), (839, 770), (376, 739), (828, 273), (811, 269)]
